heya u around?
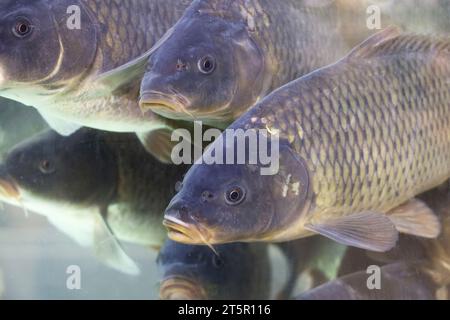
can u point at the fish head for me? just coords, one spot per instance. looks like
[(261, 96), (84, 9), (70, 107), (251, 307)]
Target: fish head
[(53, 168), (41, 47), (206, 70), (198, 273), (224, 203)]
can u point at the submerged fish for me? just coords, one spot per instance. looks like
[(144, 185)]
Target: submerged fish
[(93, 186), (53, 54), (358, 140), (438, 250), (433, 252), (399, 281), (16, 124), (316, 257), (224, 55), (237, 271)]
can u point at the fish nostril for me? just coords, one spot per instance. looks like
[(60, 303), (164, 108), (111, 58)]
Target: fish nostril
[(181, 65), (184, 212), (207, 196)]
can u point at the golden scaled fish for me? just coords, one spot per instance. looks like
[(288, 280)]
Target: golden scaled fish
[(54, 55), (222, 56), (358, 140)]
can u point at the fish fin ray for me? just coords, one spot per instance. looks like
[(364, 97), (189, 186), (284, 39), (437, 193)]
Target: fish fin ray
[(63, 127), (109, 250), (416, 218), (112, 80), (81, 237), (159, 144), (368, 230), (369, 47), (392, 41)]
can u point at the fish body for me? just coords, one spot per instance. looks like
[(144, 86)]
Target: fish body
[(437, 251), (316, 257), (93, 186), (54, 52), (357, 142), (16, 124), (238, 271), (223, 56), (398, 281)]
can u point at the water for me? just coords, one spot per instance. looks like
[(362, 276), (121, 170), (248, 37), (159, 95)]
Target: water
[(39, 260)]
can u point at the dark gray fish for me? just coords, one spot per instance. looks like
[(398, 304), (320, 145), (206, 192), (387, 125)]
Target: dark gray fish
[(399, 281), (225, 55), (437, 251), (237, 271), (317, 257), (433, 252), (358, 140), (94, 186), (16, 124), (49, 62)]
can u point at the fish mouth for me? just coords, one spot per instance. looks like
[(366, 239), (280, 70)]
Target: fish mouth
[(188, 233), (181, 288), (180, 231), (9, 189), (173, 106)]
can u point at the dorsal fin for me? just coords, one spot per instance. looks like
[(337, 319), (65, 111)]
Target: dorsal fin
[(371, 45), (392, 41)]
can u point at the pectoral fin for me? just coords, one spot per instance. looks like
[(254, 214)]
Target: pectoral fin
[(109, 251), (368, 230), (130, 72), (159, 144), (111, 81), (416, 218), (61, 126)]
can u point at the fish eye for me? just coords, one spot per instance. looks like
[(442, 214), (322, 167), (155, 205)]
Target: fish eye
[(235, 196), (217, 261), (207, 64), (46, 167), (22, 27)]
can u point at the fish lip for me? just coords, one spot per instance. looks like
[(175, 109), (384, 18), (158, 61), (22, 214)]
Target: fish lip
[(178, 230), (9, 189), (181, 288), (182, 232), (167, 105)]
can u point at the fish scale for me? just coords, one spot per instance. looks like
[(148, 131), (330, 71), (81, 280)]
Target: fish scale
[(61, 71), (290, 56), (253, 46), (375, 130), (124, 26)]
